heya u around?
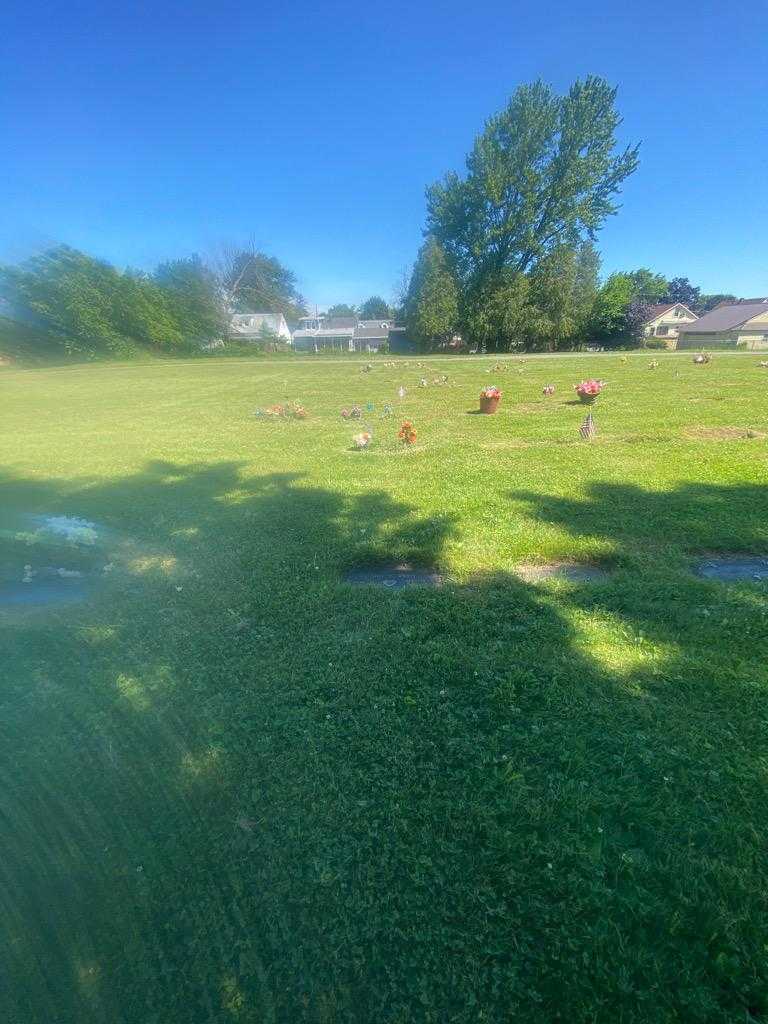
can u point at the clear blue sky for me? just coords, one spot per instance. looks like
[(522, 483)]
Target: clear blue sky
[(146, 130)]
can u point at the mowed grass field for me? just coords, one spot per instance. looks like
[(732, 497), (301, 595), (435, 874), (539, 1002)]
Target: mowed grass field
[(234, 788)]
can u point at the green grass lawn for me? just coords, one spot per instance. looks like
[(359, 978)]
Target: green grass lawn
[(234, 788)]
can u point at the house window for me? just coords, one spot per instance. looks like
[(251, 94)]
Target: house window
[(662, 329)]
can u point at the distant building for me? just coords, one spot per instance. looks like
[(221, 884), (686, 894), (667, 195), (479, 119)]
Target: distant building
[(318, 333), (666, 319), (347, 334), (254, 326), (742, 324)]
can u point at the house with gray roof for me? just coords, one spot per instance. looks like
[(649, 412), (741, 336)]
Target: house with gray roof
[(742, 324), (345, 334)]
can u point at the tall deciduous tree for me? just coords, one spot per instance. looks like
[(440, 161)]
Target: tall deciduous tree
[(252, 282), (431, 303), (341, 309), (609, 316), (192, 291), (90, 305), (563, 288), (543, 174), (649, 287), (681, 290), (374, 308)]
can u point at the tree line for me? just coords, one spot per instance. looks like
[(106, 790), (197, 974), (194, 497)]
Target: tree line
[(509, 259), (90, 308), (508, 262)]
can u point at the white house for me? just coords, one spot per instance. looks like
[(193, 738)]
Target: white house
[(666, 319), (253, 326)]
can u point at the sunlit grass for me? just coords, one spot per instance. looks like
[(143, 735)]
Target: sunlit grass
[(235, 788)]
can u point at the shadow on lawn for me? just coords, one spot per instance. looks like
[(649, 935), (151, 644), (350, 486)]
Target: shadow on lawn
[(236, 789)]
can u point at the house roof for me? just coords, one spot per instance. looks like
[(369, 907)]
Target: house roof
[(254, 322), (659, 309), (335, 323), (340, 332), (726, 317), (361, 331)]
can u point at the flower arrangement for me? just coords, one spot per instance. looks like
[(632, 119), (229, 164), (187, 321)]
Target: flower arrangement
[(352, 414), (387, 411), (654, 364), (295, 410), (588, 390), (407, 434), (423, 382), (490, 396), (702, 358), (548, 390), (362, 440)]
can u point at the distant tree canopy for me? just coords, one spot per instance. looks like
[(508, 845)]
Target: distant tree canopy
[(516, 230), (547, 309), (96, 309), (649, 287), (543, 174), (707, 302), (92, 306), (252, 282), (680, 289), (374, 308), (341, 309), (431, 306), (193, 293)]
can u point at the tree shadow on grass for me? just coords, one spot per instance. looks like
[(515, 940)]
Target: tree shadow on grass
[(236, 788)]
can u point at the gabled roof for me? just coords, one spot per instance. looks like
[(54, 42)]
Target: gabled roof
[(361, 331), (660, 309), (726, 317), (255, 321), (335, 323)]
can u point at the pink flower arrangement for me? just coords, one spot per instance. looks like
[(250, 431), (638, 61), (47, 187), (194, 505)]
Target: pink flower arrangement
[(490, 391), (588, 390), (548, 390), (361, 440)]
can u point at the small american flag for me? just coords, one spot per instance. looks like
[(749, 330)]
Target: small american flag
[(587, 428)]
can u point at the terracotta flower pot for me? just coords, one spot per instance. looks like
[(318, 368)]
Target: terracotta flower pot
[(489, 405), (587, 399)]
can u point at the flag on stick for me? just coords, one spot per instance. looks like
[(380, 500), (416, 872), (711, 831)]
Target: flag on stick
[(587, 428)]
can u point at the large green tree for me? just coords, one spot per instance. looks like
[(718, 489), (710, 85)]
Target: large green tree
[(431, 304), (89, 305), (374, 308), (681, 290), (543, 174), (501, 315), (564, 286), (341, 309), (252, 282), (192, 292), (608, 324), (649, 287)]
